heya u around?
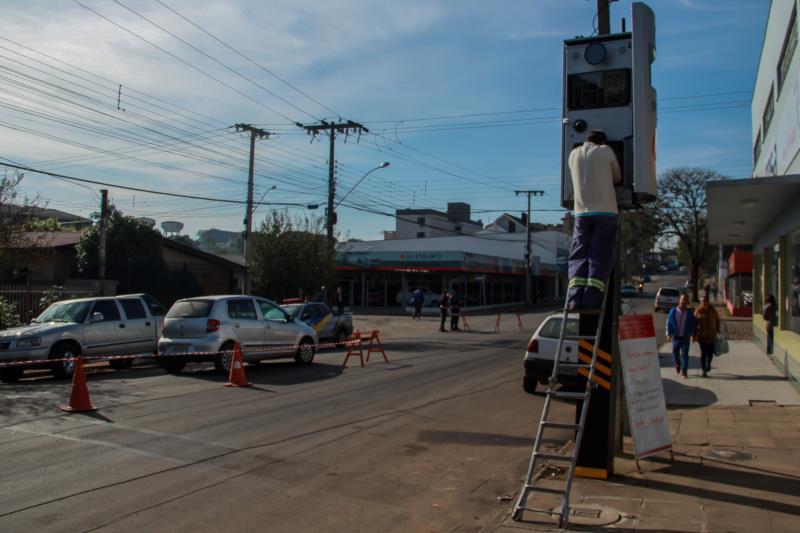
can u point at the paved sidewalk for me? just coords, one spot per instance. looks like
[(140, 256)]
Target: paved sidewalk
[(736, 438)]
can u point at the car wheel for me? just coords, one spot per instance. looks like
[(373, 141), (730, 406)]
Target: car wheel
[(63, 369), (529, 385), (121, 364), (172, 365), (11, 374), (222, 363), (305, 352)]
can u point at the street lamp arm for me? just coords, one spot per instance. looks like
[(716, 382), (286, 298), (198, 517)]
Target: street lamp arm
[(382, 165)]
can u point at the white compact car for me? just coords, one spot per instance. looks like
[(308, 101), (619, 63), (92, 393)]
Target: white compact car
[(542, 350), (667, 298)]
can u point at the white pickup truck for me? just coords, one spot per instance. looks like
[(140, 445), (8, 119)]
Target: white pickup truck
[(116, 325)]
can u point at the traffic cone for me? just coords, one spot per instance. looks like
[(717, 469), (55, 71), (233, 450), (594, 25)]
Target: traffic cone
[(79, 401), (237, 377)]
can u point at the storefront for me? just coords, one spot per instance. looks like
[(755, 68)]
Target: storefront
[(739, 283)]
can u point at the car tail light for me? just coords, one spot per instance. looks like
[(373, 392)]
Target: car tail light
[(533, 346), (212, 325)]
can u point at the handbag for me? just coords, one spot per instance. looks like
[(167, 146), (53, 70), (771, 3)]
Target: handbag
[(720, 345)]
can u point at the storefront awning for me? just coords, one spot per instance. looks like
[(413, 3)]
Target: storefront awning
[(739, 210)]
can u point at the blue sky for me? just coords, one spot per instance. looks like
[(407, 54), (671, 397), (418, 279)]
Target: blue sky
[(492, 70)]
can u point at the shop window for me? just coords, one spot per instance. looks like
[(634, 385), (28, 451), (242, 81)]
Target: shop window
[(772, 277), (421, 221), (794, 291), (420, 235)]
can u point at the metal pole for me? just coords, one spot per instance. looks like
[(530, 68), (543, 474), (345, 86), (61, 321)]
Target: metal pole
[(528, 280), (101, 252), (248, 217), (603, 17), (331, 215)]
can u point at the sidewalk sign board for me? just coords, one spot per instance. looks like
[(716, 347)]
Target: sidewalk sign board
[(644, 391)]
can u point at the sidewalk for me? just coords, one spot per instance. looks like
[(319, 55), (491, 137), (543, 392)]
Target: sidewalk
[(736, 438)]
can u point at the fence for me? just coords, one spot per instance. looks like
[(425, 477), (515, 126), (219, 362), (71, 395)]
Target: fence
[(29, 298)]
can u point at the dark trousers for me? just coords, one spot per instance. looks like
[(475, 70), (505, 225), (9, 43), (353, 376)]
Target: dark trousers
[(454, 320), (590, 259), (706, 355), (340, 307), (770, 339), (417, 310), (444, 318)]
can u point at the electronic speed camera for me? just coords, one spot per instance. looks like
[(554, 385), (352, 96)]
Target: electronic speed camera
[(608, 86)]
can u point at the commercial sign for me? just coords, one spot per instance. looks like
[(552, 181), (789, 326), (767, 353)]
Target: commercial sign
[(647, 408), (428, 262)]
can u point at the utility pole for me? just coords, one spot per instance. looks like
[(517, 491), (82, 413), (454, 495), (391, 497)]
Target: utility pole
[(255, 133), (101, 252), (529, 297), (333, 128), (603, 17)]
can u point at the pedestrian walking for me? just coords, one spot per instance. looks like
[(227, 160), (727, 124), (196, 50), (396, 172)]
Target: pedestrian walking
[(708, 325), (770, 315), (707, 290), (714, 290), (680, 330), (339, 297), (417, 298), (444, 303), (595, 170), (455, 311)]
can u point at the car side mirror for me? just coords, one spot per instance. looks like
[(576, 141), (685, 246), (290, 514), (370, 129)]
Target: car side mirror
[(289, 318), (97, 316)]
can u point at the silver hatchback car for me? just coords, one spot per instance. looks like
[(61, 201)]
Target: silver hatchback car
[(210, 326)]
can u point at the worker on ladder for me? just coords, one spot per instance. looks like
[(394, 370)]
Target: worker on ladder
[(595, 170)]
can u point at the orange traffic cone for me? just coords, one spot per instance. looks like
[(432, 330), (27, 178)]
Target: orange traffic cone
[(237, 377), (79, 401)]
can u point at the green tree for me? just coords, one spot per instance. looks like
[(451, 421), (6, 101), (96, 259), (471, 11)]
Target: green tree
[(681, 212), (184, 239), (638, 234), (133, 255), (15, 214), (290, 256)]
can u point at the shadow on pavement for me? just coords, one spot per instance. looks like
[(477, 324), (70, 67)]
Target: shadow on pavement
[(272, 373), (471, 438), (679, 395)]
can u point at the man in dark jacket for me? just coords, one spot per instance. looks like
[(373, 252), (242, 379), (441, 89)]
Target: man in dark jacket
[(444, 303), (455, 311)]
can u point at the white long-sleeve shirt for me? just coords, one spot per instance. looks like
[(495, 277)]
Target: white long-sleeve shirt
[(594, 170)]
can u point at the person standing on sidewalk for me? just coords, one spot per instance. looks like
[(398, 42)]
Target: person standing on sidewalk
[(595, 171), (770, 316), (444, 303), (455, 311), (680, 330), (416, 299), (339, 298), (706, 332)]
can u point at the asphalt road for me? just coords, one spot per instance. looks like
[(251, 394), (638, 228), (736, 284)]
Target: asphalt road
[(427, 442)]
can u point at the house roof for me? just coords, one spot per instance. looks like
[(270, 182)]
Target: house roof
[(46, 214), (51, 239), (197, 252)]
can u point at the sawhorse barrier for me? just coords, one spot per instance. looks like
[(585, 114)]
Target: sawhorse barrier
[(519, 322), (356, 348)]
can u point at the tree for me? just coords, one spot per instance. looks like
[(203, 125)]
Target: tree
[(638, 234), (133, 254), (15, 213), (184, 239), (681, 212), (290, 256)]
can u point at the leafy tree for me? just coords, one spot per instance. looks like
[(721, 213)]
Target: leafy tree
[(133, 254), (290, 256), (9, 317), (184, 239), (681, 212), (15, 213), (638, 234)]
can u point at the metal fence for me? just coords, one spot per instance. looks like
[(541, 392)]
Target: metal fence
[(30, 299)]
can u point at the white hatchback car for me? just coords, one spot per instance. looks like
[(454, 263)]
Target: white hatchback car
[(542, 349), (667, 298)]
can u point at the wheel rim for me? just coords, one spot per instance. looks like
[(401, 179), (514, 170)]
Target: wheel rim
[(68, 366), (306, 352), (225, 360)]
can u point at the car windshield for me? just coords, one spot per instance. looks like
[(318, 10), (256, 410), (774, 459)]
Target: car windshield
[(190, 309), (552, 328), (293, 309), (64, 312), (672, 293)]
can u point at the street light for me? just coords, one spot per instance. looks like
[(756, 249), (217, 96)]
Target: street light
[(258, 203), (382, 165)]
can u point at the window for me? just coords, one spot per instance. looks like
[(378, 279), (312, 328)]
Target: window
[(108, 308), (789, 44), (420, 235), (190, 309), (421, 221), (552, 328), (271, 311), (458, 228), (757, 148), (156, 309), (242, 309), (593, 90), (769, 111), (794, 290), (133, 308)]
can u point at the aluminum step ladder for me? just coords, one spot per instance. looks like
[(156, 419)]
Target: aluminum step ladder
[(539, 457)]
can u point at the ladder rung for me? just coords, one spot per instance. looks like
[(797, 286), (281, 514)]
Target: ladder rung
[(546, 490), (554, 456), (559, 425), (541, 511), (567, 395)]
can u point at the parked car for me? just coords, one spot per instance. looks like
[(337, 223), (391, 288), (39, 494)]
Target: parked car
[(667, 298), (119, 325), (212, 325), (319, 316), (683, 270), (541, 352), (430, 298), (627, 291)]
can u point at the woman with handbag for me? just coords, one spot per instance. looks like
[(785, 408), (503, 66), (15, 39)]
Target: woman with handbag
[(706, 332)]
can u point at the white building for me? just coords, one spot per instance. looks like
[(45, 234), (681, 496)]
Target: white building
[(427, 223)]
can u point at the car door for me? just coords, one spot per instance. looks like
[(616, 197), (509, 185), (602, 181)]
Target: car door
[(245, 324), (280, 333), (139, 326), (104, 332), (548, 340)]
